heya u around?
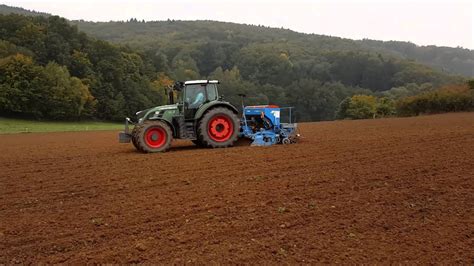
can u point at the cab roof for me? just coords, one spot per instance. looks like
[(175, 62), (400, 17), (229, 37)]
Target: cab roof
[(204, 81)]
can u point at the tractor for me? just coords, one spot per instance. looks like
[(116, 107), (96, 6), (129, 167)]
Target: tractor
[(202, 116)]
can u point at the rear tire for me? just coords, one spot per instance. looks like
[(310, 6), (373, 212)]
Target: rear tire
[(218, 128), (153, 136)]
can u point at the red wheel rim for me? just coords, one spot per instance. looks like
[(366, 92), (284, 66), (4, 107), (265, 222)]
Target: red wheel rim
[(155, 137), (220, 128)]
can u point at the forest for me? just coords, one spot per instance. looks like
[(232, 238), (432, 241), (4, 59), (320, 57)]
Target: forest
[(52, 68), (48, 69)]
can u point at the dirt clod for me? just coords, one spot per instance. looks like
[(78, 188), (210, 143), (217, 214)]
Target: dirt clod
[(140, 246)]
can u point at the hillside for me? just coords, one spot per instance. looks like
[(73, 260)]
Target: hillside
[(313, 72), (6, 10), (447, 59), (110, 81), (450, 60)]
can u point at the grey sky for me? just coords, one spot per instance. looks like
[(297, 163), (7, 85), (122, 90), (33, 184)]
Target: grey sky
[(424, 22)]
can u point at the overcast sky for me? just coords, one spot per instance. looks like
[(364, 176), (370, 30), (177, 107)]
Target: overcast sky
[(424, 22)]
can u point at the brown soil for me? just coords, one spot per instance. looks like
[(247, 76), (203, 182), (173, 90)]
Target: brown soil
[(388, 190)]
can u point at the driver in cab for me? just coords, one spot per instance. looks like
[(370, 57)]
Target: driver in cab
[(197, 97)]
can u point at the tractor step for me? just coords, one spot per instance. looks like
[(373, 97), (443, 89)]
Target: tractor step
[(180, 125), (190, 133), (185, 127)]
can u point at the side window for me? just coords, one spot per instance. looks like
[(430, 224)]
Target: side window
[(211, 92)]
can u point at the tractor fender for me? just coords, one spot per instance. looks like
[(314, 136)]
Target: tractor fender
[(166, 122), (212, 105)]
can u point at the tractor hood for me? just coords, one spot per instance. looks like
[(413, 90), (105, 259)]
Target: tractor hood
[(146, 112), (167, 107)]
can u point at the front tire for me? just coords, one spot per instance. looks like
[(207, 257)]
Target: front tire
[(153, 136), (135, 136), (218, 128)]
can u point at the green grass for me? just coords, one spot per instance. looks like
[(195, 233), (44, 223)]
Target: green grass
[(9, 125)]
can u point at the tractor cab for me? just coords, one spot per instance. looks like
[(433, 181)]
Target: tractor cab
[(195, 94), (191, 95)]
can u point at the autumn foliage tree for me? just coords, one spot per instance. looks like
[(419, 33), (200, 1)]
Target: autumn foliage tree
[(358, 107), (50, 70), (42, 92), (365, 106), (453, 98)]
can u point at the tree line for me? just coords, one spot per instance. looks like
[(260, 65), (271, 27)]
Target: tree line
[(451, 98)]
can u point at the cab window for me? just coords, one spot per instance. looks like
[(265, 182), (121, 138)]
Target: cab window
[(195, 95), (211, 92)]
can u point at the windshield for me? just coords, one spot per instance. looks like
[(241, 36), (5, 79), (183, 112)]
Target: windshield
[(195, 95)]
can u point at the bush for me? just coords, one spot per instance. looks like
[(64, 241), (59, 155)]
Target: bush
[(362, 107), (385, 107), (343, 107), (454, 98), (365, 106), (470, 83)]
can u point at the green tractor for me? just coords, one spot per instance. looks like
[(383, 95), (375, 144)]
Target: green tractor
[(199, 115)]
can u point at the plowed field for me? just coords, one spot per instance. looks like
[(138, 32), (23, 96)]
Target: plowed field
[(389, 190)]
